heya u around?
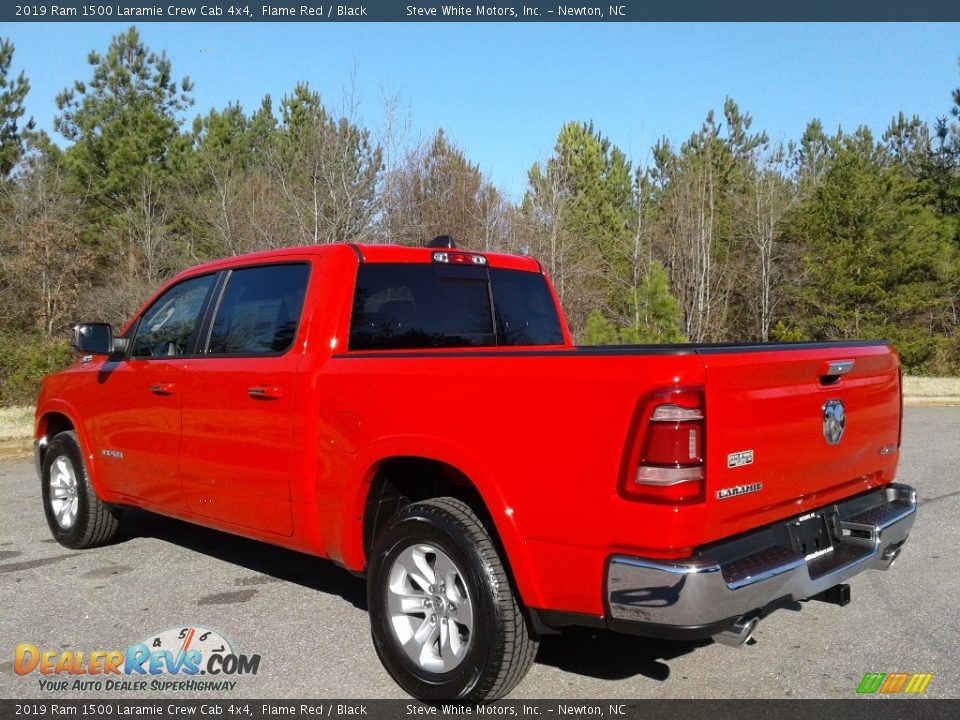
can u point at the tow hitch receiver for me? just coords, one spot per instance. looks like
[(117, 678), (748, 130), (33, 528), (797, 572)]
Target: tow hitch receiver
[(837, 595)]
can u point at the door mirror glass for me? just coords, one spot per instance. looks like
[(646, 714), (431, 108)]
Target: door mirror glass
[(93, 338)]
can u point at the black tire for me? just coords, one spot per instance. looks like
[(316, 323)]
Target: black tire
[(500, 649), (95, 523)]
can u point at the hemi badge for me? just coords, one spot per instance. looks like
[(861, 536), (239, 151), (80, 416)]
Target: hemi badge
[(738, 490), (112, 453), (739, 459)]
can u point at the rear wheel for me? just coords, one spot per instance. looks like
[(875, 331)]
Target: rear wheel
[(76, 516), (445, 621)]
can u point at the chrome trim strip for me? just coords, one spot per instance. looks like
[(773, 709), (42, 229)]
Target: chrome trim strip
[(678, 568), (768, 574)]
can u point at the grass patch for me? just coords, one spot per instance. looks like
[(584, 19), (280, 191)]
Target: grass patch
[(931, 388), (16, 423)]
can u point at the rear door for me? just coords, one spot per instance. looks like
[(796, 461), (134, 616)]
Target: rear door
[(238, 401), (773, 440)]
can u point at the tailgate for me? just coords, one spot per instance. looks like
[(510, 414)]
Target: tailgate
[(768, 454)]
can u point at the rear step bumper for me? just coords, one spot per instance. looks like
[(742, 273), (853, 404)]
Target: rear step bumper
[(745, 577)]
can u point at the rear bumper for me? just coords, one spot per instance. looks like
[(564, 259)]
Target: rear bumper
[(753, 573)]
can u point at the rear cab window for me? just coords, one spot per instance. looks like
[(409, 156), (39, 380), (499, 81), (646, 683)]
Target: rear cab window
[(410, 306)]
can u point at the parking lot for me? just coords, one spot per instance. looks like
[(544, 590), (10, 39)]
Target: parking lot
[(306, 618)]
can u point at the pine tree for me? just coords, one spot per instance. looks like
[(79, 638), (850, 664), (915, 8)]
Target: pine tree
[(599, 330), (124, 122), (13, 92), (582, 200), (658, 310), (873, 254)]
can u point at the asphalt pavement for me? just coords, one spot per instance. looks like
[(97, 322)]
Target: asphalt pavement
[(306, 618)]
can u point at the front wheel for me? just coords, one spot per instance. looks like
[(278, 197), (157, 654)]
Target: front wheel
[(445, 621), (76, 516)]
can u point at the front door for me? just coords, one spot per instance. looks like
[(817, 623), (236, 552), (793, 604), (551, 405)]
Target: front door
[(136, 428)]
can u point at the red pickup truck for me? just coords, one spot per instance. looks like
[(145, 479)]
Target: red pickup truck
[(421, 416)]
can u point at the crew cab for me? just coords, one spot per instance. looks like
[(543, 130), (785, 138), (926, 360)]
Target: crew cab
[(422, 417)]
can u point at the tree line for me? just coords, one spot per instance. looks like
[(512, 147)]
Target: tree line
[(726, 236)]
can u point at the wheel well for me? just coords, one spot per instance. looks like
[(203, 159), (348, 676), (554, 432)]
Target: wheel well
[(403, 480), (55, 423), (400, 481), (52, 425)]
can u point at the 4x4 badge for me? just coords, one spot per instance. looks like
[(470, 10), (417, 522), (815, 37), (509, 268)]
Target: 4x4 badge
[(834, 421)]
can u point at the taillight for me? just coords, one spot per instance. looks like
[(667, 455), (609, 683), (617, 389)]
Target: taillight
[(669, 466)]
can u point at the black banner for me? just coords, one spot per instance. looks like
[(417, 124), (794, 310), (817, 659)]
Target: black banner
[(138, 11), (854, 709)]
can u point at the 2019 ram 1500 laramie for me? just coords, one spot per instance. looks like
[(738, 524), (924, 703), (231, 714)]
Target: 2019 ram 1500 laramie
[(421, 415)]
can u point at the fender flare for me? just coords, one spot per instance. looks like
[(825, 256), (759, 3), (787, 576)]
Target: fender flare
[(62, 407), (464, 461)]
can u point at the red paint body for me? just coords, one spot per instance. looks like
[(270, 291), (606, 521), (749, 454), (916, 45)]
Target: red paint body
[(546, 435)]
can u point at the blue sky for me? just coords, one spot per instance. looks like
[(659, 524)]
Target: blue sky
[(502, 91)]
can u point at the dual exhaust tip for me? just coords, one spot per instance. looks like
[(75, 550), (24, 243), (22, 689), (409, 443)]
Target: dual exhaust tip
[(738, 633), (743, 629), (890, 555)]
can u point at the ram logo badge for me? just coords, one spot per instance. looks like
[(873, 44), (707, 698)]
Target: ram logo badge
[(834, 421), (738, 490)]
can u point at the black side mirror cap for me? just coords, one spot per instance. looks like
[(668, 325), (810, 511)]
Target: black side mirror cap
[(96, 339)]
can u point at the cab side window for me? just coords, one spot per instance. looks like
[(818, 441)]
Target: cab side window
[(260, 310), (169, 325)]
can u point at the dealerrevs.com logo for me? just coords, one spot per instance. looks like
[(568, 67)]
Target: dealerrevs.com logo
[(168, 660)]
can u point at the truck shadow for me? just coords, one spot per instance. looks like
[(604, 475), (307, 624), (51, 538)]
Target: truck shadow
[(272, 563), (608, 655), (595, 653)]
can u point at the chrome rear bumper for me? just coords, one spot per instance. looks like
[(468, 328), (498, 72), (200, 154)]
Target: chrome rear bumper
[(728, 580)]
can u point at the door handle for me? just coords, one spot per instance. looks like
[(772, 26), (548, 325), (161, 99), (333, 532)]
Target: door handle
[(265, 392), (837, 367), (163, 388), (831, 371)]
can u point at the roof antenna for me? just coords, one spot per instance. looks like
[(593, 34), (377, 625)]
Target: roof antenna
[(442, 241)]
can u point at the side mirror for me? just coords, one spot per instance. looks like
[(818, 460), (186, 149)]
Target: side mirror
[(97, 339)]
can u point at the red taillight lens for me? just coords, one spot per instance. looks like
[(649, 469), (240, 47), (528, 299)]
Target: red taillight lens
[(669, 466), (672, 443)]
